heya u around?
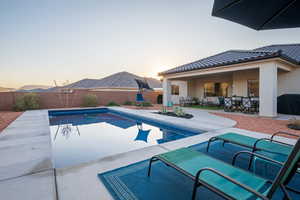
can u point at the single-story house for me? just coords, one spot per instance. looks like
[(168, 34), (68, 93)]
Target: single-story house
[(265, 72), (121, 81)]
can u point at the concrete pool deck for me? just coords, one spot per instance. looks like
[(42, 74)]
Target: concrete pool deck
[(26, 170), (202, 120)]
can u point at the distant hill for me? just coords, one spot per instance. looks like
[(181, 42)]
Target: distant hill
[(3, 89), (32, 87)]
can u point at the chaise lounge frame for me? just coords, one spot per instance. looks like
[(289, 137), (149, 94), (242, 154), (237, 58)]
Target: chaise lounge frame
[(287, 171)]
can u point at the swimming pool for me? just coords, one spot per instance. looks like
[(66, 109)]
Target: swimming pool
[(79, 136)]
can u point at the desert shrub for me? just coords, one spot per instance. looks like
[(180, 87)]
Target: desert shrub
[(128, 103), (28, 101), (90, 100), (112, 103), (159, 99), (178, 111), (147, 104), (144, 104)]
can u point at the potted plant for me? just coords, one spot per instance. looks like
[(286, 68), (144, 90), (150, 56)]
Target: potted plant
[(294, 123)]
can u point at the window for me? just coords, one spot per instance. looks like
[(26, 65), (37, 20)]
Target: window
[(209, 89), (216, 89), (253, 88), (174, 89)]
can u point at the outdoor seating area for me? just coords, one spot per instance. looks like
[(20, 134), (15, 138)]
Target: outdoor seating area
[(248, 105), (223, 172), (206, 101), (241, 104), (231, 182)]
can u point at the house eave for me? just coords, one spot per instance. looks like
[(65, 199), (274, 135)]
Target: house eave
[(265, 58), (284, 65)]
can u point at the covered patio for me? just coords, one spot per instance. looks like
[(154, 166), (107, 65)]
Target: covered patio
[(263, 79)]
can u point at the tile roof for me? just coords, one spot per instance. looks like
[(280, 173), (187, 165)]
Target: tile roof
[(289, 52)]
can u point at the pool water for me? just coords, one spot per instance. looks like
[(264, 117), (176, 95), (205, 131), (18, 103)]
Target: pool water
[(86, 136)]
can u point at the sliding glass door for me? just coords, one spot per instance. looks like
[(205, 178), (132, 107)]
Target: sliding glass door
[(216, 89)]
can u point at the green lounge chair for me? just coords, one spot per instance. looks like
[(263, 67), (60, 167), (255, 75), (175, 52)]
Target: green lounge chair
[(279, 150), (226, 180), (263, 144)]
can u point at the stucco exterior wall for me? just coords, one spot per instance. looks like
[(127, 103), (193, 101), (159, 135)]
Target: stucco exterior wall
[(289, 82), (237, 82), (196, 86), (183, 90), (240, 81), (276, 77)]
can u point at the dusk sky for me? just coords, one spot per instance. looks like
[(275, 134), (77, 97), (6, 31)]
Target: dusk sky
[(61, 40)]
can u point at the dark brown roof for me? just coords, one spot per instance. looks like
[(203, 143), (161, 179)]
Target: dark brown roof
[(289, 52)]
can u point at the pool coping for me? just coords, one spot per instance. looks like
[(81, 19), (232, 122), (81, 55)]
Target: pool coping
[(25, 149)]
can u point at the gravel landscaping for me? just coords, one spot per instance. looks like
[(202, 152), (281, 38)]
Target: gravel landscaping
[(7, 117)]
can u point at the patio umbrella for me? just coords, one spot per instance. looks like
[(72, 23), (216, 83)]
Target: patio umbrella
[(260, 14), (143, 84)]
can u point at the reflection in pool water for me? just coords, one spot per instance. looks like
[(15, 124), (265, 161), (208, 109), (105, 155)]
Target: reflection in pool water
[(85, 137)]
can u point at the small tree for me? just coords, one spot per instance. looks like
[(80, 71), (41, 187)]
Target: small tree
[(90, 100), (28, 101)]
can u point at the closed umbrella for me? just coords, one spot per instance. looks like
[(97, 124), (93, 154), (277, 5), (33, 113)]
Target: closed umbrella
[(260, 14)]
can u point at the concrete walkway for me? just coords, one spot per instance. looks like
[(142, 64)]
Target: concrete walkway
[(202, 120), (26, 170)]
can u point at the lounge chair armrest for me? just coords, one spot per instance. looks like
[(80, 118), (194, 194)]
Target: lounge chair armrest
[(268, 139), (256, 155), (283, 133), (231, 180)]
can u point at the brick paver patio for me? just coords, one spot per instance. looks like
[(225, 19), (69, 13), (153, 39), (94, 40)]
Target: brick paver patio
[(259, 124)]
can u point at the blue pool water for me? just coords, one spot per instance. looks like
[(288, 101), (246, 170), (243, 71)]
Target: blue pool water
[(84, 135)]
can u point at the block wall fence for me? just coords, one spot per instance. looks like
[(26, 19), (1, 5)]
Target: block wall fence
[(50, 100)]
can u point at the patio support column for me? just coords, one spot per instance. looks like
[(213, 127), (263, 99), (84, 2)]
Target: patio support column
[(268, 90), (183, 89), (166, 91)]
